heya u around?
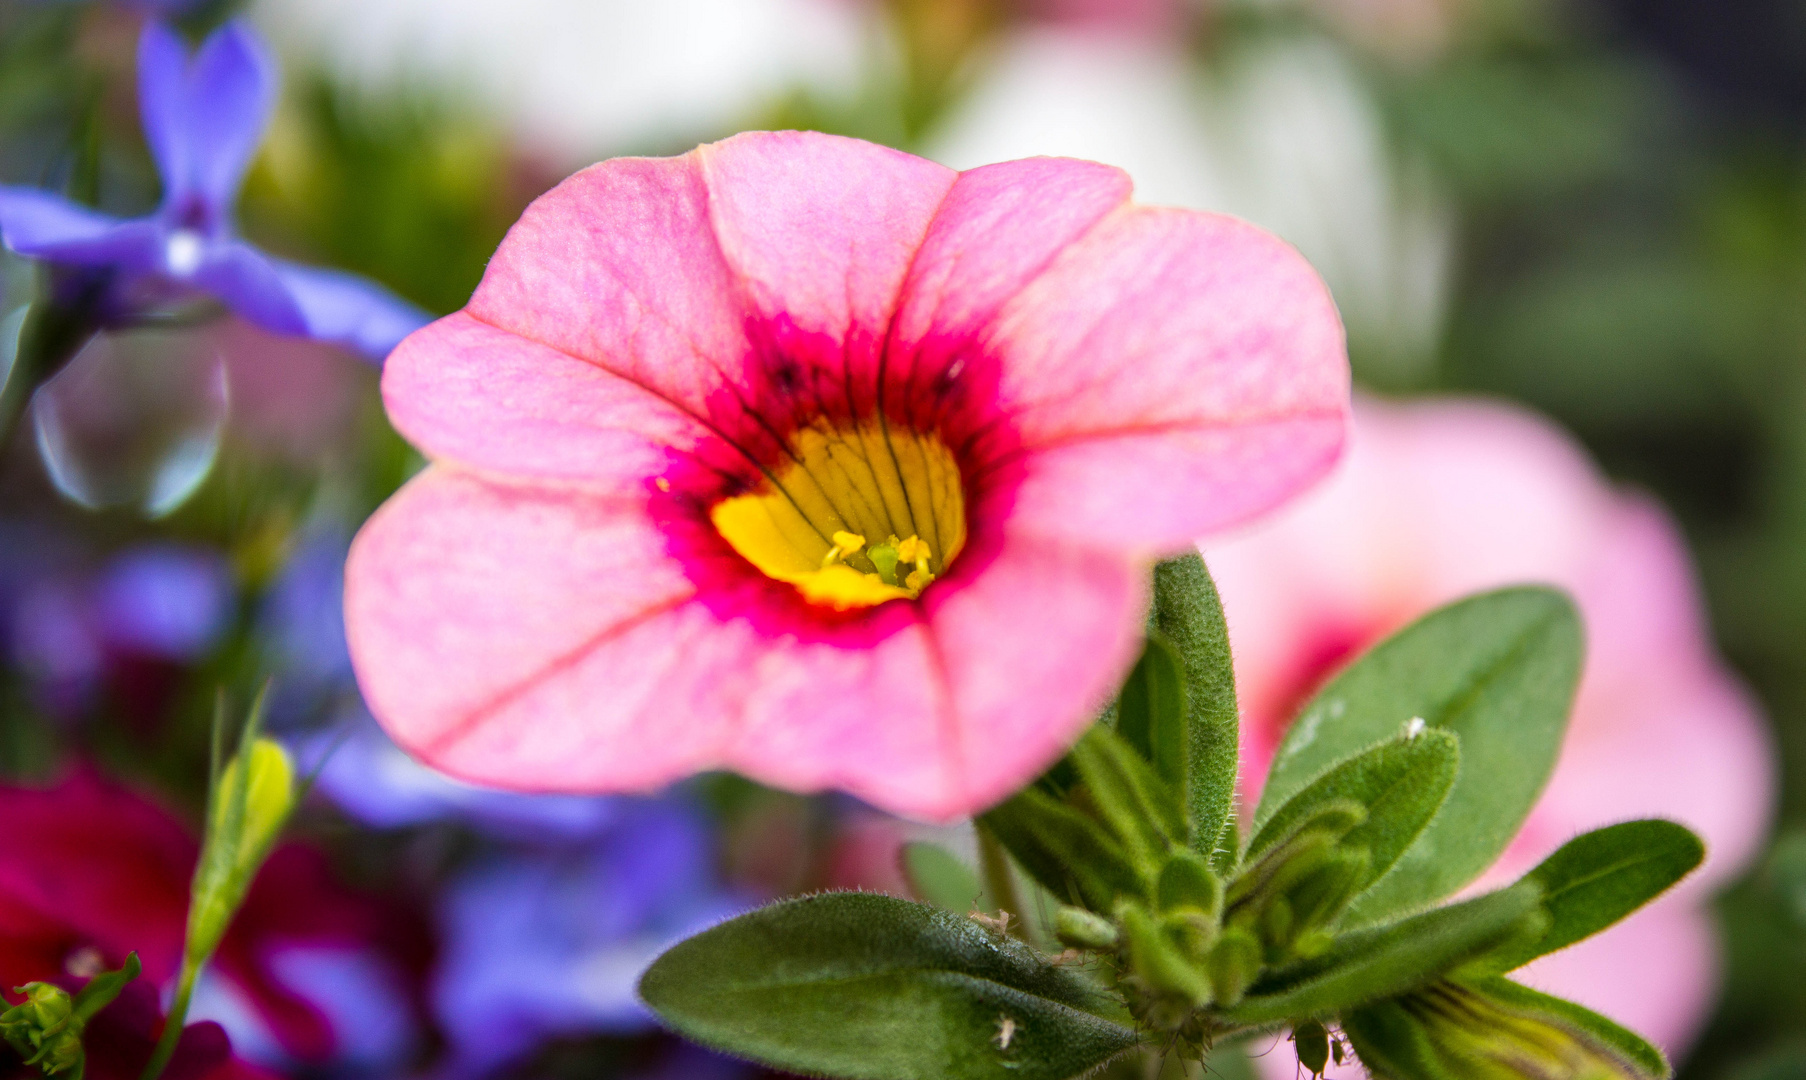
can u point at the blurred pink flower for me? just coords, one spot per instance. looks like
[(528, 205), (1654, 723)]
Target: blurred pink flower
[(1149, 16), (807, 458), (1439, 499)]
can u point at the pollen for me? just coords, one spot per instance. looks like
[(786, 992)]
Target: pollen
[(812, 521)]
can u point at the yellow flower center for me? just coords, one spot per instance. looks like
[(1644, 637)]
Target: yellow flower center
[(856, 516)]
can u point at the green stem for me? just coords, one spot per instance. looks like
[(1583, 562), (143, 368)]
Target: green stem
[(172, 1027)]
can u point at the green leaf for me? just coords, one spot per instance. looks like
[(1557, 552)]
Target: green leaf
[(1596, 879), (1634, 1053), (1067, 851), (1129, 797), (1495, 1029), (938, 877), (1401, 784), (874, 988), (1151, 712), (1499, 670), (1188, 613), (1371, 964)]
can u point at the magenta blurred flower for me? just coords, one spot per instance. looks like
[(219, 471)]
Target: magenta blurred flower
[(203, 119), (1146, 16), (1440, 499), (90, 872), (808, 458)]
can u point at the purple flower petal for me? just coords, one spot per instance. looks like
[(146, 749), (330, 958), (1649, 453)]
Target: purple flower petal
[(42, 225), (248, 282), (163, 102), (231, 90), (204, 120), (347, 310)]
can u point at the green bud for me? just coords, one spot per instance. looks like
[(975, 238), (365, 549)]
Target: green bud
[(249, 808), (46, 1028), (1495, 1030), (1083, 929), (1160, 962), (1186, 881), (1234, 962), (1311, 1040)]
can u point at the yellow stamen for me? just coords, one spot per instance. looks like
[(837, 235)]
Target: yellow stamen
[(808, 522)]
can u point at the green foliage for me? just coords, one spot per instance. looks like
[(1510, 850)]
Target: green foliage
[(1596, 879), (1390, 960), (867, 986), (1188, 616), (1405, 777), (1498, 670), (46, 1028), (1399, 786), (1494, 1029)]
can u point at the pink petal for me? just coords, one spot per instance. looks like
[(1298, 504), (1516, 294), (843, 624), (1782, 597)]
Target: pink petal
[(1031, 649), (464, 391), (461, 596), (821, 230), (619, 266), (877, 724), (998, 229), (1174, 349)]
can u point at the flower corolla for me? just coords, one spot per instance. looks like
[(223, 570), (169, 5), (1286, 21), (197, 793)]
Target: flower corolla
[(811, 459)]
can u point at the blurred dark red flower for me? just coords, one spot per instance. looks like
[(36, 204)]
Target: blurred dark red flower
[(90, 871)]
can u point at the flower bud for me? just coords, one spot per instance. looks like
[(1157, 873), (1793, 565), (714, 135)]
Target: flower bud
[(1083, 929), (249, 808)]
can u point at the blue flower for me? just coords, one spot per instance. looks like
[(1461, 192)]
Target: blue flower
[(552, 943), (204, 119)]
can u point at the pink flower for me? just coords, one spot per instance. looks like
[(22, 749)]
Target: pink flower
[(1438, 500), (811, 459)]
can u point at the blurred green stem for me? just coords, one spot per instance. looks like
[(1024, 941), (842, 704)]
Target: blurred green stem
[(178, 1017)]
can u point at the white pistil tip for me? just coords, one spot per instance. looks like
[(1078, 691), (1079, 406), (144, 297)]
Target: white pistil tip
[(1414, 727), (182, 253)]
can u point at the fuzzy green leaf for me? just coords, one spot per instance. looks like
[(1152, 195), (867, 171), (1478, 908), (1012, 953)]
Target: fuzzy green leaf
[(1130, 798), (1368, 965), (1499, 670), (1152, 712), (1069, 853), (1188, 613), (1401, 784), (874, 988), (1596, 879)]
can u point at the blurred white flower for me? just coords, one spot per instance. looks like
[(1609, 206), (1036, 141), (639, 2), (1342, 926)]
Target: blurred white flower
[(577, 79), (1280, 132)]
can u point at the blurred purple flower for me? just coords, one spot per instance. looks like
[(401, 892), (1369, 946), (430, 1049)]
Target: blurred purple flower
[(203, 119), (363, 998), (164, 600), (303, 614), (544, 944), (376, 782)]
